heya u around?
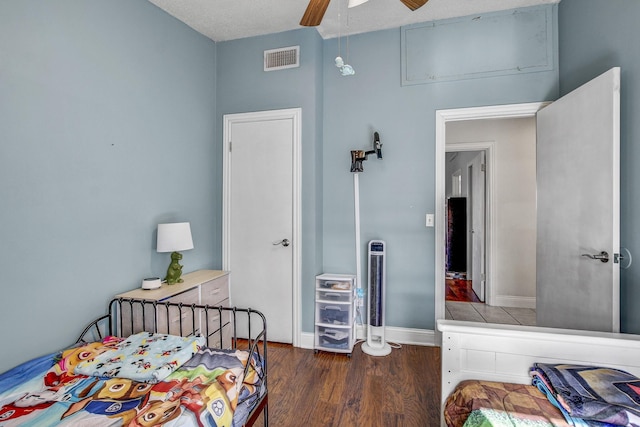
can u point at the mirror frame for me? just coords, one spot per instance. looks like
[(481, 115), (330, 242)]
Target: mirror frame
[(442, 118)]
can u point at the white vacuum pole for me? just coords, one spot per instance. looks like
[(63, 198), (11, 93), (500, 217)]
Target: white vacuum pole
[(356, 198)]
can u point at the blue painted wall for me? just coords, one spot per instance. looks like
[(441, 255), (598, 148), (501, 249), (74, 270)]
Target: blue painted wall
[(244, 86), (596, 35), (106, 129), (396, 192), (110, 122)]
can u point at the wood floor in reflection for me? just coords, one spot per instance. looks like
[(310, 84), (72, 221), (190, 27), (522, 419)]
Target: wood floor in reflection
[(460, 290)]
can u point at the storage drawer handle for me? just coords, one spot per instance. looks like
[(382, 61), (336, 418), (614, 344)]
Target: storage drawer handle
[(332, 307)]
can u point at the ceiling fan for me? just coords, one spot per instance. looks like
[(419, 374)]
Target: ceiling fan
[(315, 10)]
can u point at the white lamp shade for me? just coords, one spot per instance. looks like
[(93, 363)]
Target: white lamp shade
[(174, 237), (354, 3)]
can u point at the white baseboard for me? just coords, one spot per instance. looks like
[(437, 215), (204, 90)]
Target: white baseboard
[(392, 335), (307, 340), (511, 301)]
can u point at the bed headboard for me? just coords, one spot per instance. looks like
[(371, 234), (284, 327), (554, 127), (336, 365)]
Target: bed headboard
[(506, 352), (222, 327)]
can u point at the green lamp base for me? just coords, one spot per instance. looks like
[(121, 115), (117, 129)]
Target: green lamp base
[(175, 270)]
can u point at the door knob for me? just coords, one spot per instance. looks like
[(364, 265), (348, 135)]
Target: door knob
[(602, 256), (283, 242)]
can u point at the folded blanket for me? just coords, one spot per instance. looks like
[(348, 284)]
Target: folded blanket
[(593, 393), (576, 422), (143, 357)]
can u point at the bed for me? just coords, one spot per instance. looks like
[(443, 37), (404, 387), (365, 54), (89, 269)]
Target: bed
[(487, 380), (147, 364)]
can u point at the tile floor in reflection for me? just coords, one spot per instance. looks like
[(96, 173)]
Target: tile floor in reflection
[(479, 312)]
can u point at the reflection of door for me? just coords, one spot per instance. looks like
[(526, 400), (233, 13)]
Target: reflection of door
[(477, 209), (578, 207), (457, 234), (259, 215)]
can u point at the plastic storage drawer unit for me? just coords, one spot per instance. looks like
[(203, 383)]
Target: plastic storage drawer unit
[(335, 313)]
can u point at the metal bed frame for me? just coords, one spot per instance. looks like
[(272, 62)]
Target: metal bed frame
[(248, 330)]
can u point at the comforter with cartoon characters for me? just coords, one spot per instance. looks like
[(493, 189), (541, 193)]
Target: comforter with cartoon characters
[(142, 381)]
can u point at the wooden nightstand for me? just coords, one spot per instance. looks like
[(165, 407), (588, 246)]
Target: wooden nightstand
[(203, 287)]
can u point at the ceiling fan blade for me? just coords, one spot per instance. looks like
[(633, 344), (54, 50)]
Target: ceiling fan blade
[(315, 11), (414, 4)]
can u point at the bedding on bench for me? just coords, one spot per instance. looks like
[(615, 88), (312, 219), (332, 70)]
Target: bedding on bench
[(144, 380), (476, 403), (591, 395), (561, 395)]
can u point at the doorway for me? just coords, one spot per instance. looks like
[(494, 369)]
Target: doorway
[(466, 213), (261, 216)]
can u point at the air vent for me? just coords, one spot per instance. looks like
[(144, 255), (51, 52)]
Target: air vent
[(279, 59)]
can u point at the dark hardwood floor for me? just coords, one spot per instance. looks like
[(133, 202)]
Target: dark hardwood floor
[(326, 389), (460, 290)]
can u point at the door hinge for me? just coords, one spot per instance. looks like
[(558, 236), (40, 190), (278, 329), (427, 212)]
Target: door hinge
[(229, 146), (483, 167)]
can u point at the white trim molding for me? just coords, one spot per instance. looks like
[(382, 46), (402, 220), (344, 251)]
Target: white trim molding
[(511, 301), (393, 335)]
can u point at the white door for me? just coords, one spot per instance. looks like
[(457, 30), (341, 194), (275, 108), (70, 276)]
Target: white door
[(477, 192), (261, 237), (578, 182)]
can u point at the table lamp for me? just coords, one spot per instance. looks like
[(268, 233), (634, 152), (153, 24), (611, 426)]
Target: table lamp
[(172, 238)]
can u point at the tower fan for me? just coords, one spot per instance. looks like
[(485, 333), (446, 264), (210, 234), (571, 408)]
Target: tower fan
[(375, 344)]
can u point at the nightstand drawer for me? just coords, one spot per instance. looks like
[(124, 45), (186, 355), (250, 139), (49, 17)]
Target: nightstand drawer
[(175, 323), (218, 340), (172, 320), (215, 291), (188, 297), (217, 319), (134, 318)]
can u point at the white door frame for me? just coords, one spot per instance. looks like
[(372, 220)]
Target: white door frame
[(459, 114), (489, 149), (294, 114)]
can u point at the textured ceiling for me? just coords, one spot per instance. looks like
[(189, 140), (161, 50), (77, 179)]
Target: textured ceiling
[(234, 19)]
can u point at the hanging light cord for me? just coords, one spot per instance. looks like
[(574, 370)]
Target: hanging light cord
[(345, 68)]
